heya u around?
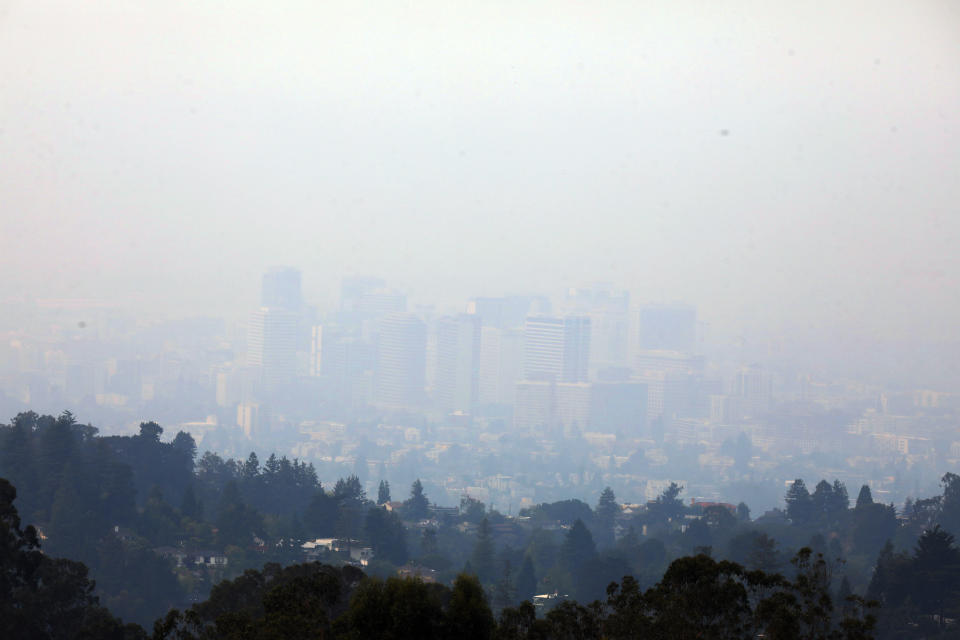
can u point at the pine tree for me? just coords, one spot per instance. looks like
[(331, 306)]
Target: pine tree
[(416, 507), (743, 512), (606, 515), (482, 558), (526, 585), (864, 498), (799, 503), (189, 506), (577, 547), (383, 493)]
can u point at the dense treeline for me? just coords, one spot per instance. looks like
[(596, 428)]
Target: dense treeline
[(698, 597), (129, 507)]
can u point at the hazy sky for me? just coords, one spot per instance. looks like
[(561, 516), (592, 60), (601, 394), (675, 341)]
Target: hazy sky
[(781, 165)]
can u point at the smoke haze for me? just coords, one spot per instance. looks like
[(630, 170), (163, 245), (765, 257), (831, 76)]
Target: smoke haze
[(793, 171)]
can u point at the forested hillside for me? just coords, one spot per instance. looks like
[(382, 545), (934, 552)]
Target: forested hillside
[(159, 527)]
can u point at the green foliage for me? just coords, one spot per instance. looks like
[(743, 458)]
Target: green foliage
[(472, 510), (605, 515), (482, 558), (386, 535), (416, 507), (564, 512), (526, 583), (383, 493), (577, 548), (468, 613), (864, 498), (800, 507), (43, 597)]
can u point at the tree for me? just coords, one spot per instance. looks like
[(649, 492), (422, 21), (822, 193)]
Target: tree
[(950, 505), (251, 468), (873, 524), (577, 547), (864, 498), (482, 558), (43, 597), (526, 584), (606, 515), (416, 507), (386, 534), (743, 512), (472, 510), (394, 608), (349, 490), (428, 541), (668, 505), (190, 507), (321, 515), (237, 523), (150, 431), (383, 493), (937, 567), (719, 518), (468, 614), (800, 507), (699, 597)]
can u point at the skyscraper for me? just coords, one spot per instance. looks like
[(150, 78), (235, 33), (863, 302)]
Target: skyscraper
[(501, 364), (401, 361), (609, 322), (458, 363), (667, 327), (272, 347), (556, 349), (281, 289)]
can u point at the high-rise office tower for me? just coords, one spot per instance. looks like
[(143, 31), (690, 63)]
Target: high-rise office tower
[(609, 322), (346, 365), (281, 289), (666, 327), (458, 363), (401, 361), (501, 364), (556, 349), (369, 297), (272, 347), (507, 312)]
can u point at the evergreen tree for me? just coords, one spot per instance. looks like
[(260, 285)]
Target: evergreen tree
[(606, 515), (428, 541), (251, 468), (386, 535), (504, 591), (468, 614), (950, 505), (416, 507), (526, 584), (383, 493), (799, 503), (189, 506), (483, 553), (864, 498), (743, 512), (349, 490), (577, 547)]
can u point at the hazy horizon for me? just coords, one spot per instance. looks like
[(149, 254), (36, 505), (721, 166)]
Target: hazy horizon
[(793, 172)]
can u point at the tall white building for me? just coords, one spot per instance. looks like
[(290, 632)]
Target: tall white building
[(458, 363), (501, 364), (272, 347), (609, 322), (557, 349), (401, 361)]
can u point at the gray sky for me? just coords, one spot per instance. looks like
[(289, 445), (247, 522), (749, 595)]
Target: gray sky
[(784, 166)]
